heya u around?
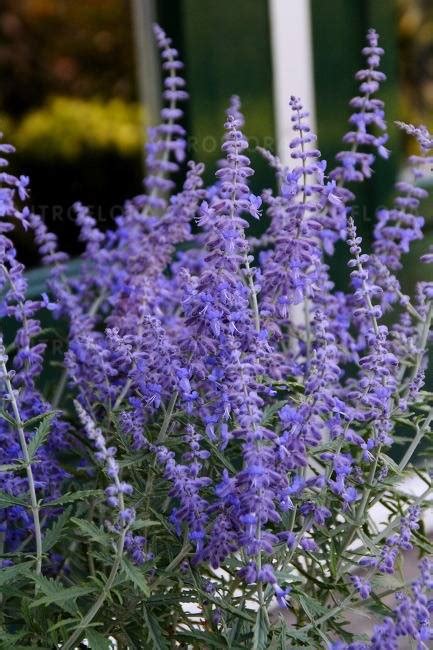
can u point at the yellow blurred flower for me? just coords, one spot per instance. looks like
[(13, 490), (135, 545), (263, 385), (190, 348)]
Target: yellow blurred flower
[(66, 127)]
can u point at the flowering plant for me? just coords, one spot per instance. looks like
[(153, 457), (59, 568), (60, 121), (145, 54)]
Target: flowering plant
[(205, 472)]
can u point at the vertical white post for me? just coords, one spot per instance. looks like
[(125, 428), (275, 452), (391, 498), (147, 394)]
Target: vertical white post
[(143, 16), (292, 58)]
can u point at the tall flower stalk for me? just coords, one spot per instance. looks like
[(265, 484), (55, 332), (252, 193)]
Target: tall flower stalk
[(34, 501)]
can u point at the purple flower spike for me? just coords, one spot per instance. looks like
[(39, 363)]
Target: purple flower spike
[(368, 115), (166, 143), (106, 456), (290, 270)]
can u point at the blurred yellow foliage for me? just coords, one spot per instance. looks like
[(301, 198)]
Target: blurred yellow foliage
[(66, 127)]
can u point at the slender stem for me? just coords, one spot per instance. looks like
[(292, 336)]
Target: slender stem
[(360, 510), (410, 308), (248, 273), (90, 560), (110, 580), (21, 434), (307, 332), (160, 439), (335, 610), (253, 294), (122, 394), (366, 291), (167, 419), (30, 479), (370, 479), (184, 551), (59, 389), (288, 558), (415, 442), (425, 330), (102, 596)]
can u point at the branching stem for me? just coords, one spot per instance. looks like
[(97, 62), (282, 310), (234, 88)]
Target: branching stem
[(27, 462)]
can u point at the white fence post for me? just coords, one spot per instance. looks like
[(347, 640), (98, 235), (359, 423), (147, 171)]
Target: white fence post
[(292, 57)]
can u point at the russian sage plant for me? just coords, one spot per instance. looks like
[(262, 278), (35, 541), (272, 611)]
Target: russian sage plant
[(205, 470)]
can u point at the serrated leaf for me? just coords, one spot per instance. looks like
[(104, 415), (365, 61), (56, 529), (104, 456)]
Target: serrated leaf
[(405, 422), (154, 631), (296, 634), (129, 461), (89, 529), (62, 623), (11, 468), (389, 462), (313, 610), (279, 637), (53, 591), (225, 605), (61, 596), (40, 436), (136, 576), (48, 586), (7, 500), (53, 534), (144, 523), (70, 497), (270, 411), (311, 605), (97, 641), (10, 573), (387, 582), (5, 416), (221, 457), (261, 630), (36, 420)]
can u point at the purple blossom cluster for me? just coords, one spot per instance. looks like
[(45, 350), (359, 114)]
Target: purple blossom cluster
[(258, 398)]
